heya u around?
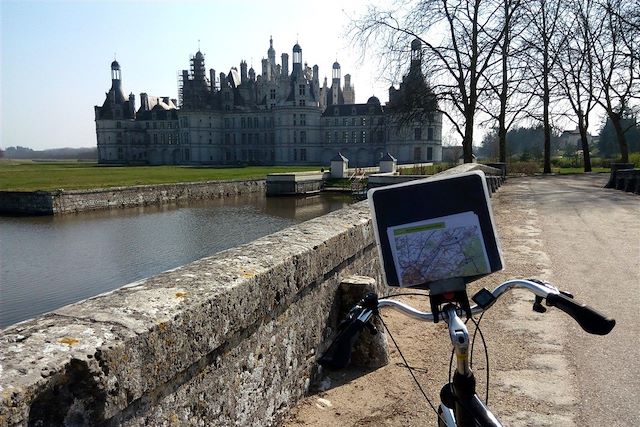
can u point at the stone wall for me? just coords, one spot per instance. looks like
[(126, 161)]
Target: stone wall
[(73, 201), (230, 339)]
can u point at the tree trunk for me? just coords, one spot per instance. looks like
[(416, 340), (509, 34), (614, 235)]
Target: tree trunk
[(616, 121), (547, 126), (585, 145)]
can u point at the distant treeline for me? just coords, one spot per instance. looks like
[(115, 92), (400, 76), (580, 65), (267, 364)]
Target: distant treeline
[(85, 153)]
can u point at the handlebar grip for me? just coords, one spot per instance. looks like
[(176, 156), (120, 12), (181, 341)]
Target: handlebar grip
[(589, 319), (338, 355)]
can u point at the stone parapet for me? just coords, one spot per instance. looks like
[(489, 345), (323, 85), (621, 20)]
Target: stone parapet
[(230, 339)]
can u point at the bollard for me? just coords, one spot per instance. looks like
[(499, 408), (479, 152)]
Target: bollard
[(370, 351)]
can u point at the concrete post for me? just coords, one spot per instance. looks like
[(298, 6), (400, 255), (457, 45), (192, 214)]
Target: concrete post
[(339, 165), (370, 351)]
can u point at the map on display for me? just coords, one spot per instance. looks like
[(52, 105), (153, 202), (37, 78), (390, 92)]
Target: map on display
[(438, 248)]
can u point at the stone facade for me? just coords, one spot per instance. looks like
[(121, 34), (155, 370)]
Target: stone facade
[(272, 118)]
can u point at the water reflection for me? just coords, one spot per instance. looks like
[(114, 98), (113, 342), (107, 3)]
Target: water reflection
[(47, 262)]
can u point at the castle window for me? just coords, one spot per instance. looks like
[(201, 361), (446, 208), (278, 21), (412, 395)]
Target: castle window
[(353, 121), (302, 90), (328, 137), (256, 122), (335, 122), (303, 138), (302, 103), (345, 137), (430, 133), (344, 121), (417, 154), (336, 111), (353, 111), (303, 119), (363, 121), (429, 153), (353, 136), (169, 125), (272, 94), (243, 123), (303, 154), (118, 125), (417, 134), (294, 119), (363, 136)]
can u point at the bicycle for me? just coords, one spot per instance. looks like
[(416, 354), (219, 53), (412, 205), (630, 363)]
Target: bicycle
[(460, 405)]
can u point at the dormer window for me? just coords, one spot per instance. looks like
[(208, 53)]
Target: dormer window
[(336, 111)]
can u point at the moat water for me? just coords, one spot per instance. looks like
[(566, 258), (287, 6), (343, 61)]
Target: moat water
[(48, 262)]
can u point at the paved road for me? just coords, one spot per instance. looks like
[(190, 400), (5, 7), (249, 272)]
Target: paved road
[(592, 237)]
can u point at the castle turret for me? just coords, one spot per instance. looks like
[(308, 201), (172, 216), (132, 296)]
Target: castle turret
[(297, 59), (116, 94), (271, 54)]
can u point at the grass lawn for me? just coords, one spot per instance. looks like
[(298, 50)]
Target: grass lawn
[(578, 170), (24, 175)]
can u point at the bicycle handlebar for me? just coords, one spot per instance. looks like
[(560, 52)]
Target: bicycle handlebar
[(592, 321), (338, 354)]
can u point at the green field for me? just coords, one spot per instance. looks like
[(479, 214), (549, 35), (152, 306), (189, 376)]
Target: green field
[(24, 175)]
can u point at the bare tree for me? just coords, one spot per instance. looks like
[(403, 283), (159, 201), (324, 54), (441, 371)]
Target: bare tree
[(506, 103), (575, 77), (461, 39), (542, 38), (615, 42)]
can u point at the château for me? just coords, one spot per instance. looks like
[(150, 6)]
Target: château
[(281, 116)]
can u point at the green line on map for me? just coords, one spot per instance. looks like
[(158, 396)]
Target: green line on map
[(409, 230)]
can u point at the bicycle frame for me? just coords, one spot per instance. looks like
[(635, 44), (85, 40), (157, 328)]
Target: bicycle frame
[(464, 407)]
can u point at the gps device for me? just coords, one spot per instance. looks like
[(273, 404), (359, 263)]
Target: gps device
[(435, 233)]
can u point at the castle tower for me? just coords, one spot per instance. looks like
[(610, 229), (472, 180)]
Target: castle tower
[(198, 69), (416, 54), (335, 95), (271, 55), (116, 93)]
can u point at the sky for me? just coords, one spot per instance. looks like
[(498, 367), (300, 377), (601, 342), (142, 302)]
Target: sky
[(56, 55)]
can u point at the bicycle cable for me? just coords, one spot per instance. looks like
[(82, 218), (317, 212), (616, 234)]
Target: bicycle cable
[(486, 354)]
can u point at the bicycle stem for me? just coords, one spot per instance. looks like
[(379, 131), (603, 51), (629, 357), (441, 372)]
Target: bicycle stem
[(459, 338)]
